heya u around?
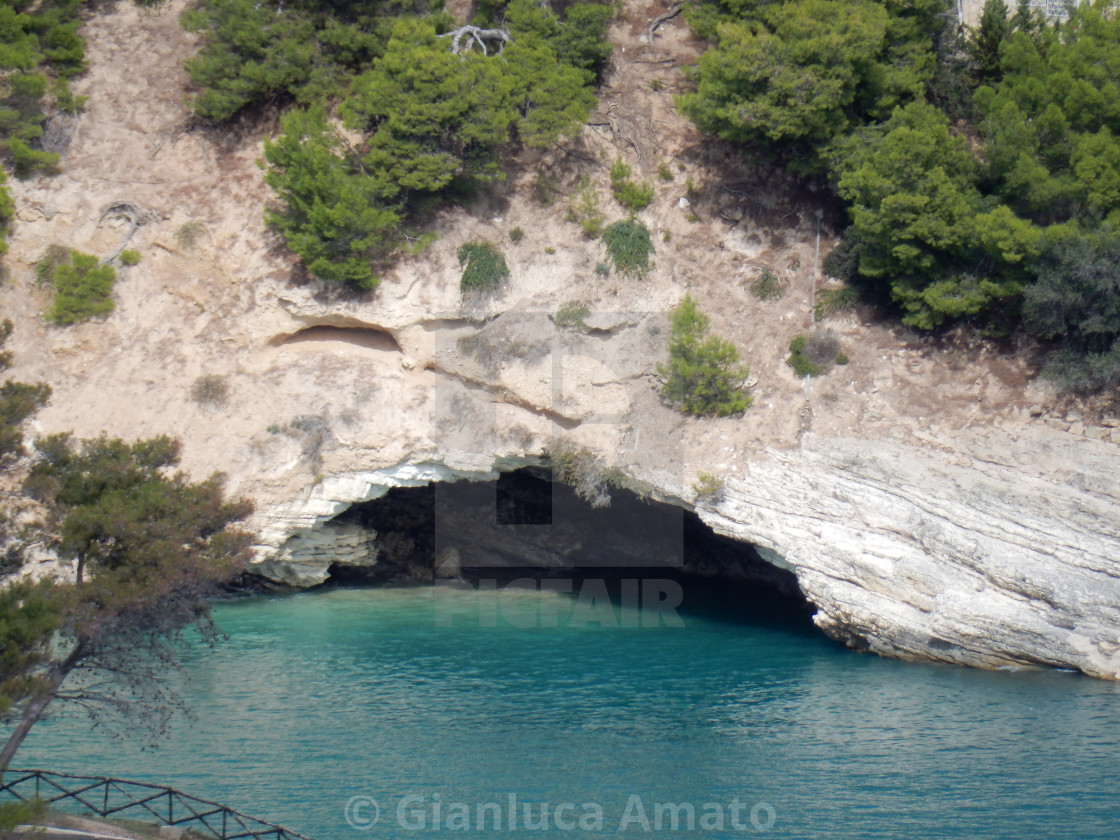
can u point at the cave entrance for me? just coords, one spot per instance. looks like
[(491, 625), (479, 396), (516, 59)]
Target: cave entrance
[(526, 529)]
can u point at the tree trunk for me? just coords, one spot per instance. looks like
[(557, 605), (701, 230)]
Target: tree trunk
[(35, 707)]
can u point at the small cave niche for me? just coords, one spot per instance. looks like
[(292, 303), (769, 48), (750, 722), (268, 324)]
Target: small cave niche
[(527, 525), (370, 338)]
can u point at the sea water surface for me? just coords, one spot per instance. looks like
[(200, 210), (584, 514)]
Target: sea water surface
[(320, 703)]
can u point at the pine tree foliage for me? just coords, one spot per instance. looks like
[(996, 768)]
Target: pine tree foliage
[(703, 375), (149, 549), (423, 122)]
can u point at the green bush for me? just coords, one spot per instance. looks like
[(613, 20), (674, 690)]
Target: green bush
[(802, 366), (22, 112), (25, 812), (707, 487), (516, 235), (602, 269), (484, 267), (52, 257), (7, 212), (27, 161), (834, 302), (620, 171), (418, 244), (842, 358), (664, 172), (584, 209), (544, 189), (82, 289), (768, 286), (703, 376), (18, 401), (129, 257), (629, 246), (632, 196), (571, 315)]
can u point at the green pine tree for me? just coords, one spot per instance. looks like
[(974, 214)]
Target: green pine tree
[(703, 376)]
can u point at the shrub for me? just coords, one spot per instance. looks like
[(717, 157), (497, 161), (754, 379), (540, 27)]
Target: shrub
[(842, 358), (18, 401), (189, 234), (707, 487), (82, 289), (834, 302), (315, 431), (484, 267), (821, 347), (802, 367), (664, 172), (129, 257), (544, 190), (30, 812), (768, 286), (811, 355), (632, 196), (584, 209), (703, 376), (591, 479), (571, 315), (602, 269), (52, 257), (26, 161), (210, 390), (416, 245), (516, 235), (629, 246), (494, 350)]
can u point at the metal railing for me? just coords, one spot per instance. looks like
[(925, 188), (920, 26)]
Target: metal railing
[(107, 797)]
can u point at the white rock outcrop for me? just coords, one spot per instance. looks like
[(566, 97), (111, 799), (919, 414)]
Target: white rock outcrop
[(306, 557), (914, 554), (1009, 558)]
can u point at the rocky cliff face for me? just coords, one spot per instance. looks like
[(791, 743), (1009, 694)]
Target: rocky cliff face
[(1009, 556), (926, 502)]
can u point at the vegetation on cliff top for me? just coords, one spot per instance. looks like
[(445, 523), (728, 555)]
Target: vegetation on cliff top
[(979, 175), (428, 109)]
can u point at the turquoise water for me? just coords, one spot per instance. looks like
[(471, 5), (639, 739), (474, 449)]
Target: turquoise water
[(321, 697)]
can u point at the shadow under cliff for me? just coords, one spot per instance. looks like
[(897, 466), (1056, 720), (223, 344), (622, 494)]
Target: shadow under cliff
[(526, 525)]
